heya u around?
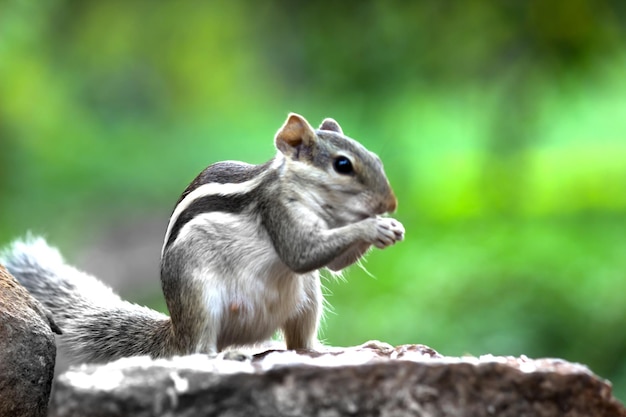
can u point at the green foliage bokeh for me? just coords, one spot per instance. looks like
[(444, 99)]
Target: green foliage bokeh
[(502, 128)]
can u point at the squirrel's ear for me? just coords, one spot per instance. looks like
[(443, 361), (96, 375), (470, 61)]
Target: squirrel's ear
[(332, 125), (295, 135)]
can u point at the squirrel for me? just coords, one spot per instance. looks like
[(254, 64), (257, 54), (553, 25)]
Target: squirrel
[(241, 254)]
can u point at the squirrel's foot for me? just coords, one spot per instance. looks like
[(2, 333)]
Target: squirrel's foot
[(235, 355)]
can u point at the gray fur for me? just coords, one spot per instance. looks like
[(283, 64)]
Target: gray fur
[(245, 247), (241, 254)]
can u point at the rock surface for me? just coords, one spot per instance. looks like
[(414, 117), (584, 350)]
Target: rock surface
[(370, 380), (27, 351)]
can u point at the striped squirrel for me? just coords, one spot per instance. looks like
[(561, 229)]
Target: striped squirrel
[(240, 257)]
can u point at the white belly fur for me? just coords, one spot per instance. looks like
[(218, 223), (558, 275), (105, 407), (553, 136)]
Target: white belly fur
[(249, 292)]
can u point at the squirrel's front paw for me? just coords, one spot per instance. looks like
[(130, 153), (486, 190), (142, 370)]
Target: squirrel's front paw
[(388, 232)]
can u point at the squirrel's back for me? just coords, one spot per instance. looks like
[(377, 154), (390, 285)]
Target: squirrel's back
[(94, 320)]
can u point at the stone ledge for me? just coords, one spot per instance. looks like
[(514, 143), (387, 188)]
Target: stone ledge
[(27, 351), (374, 379)]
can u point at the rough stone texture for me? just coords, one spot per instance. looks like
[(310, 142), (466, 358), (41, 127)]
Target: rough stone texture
[(27, 351), (371, 380)]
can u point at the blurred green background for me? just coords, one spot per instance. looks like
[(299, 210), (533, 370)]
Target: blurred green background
[(502, 127)]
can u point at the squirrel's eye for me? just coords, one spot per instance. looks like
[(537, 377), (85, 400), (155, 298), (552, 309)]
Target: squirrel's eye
[(343, 165)]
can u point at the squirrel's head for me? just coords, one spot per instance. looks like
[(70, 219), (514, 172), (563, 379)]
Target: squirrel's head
[(335, 172)]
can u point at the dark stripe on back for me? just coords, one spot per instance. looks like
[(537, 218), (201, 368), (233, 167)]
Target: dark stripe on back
[(221, 173), (235, 203), (224, 173)]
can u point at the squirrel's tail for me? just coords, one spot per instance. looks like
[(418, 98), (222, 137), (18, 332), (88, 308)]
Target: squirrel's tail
[(97, 324)]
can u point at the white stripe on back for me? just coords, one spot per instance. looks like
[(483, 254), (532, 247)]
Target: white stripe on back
[(212, 188)]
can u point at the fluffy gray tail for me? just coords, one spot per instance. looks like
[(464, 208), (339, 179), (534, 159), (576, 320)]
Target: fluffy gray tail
[(97, 324)]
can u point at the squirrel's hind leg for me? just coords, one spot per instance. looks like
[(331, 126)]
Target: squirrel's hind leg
[(300, 330)]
